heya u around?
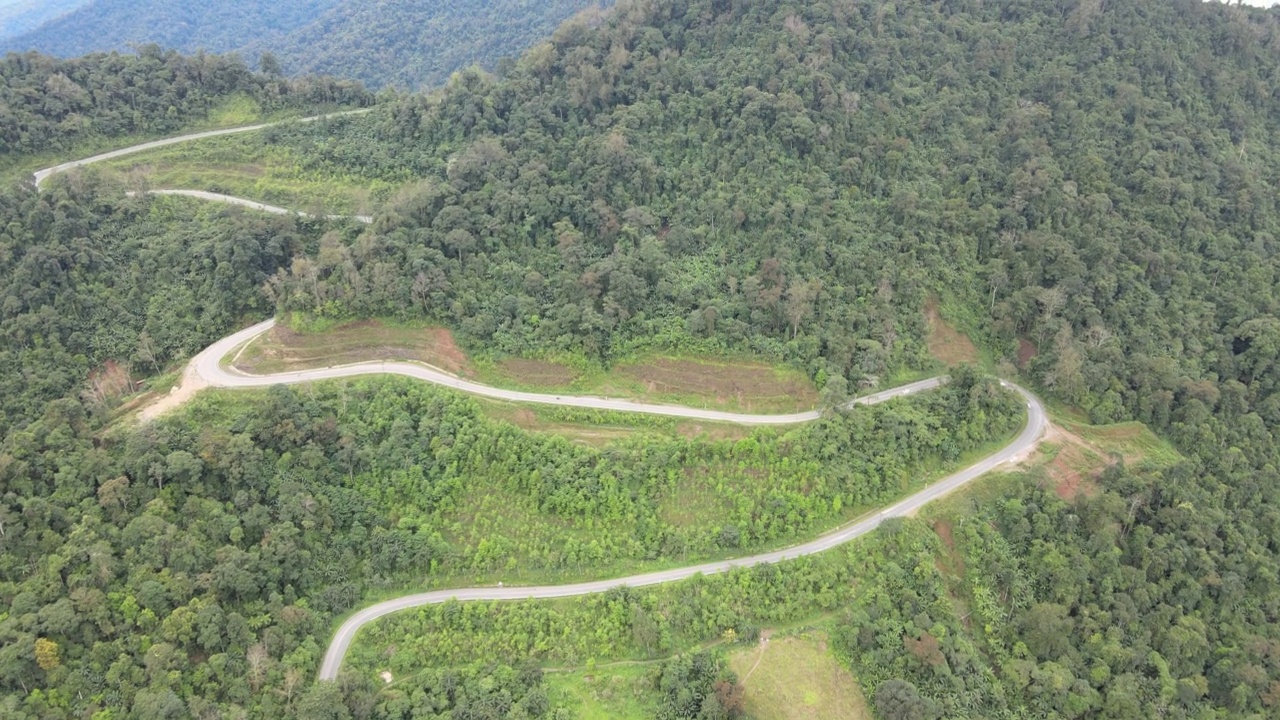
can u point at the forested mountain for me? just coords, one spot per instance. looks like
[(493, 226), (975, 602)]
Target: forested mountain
[(22, 16), (412, 44), (102, 25), (51, 105), (407, 43), (1092, 186)]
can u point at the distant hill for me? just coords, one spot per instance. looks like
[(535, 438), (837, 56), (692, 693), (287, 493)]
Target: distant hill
[(215, 25), (23, 16), (406, 43), (410, 44)]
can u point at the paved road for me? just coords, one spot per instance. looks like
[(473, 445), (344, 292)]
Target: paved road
[(45, 174), (1021, 446), (207, 366), (273, 209)]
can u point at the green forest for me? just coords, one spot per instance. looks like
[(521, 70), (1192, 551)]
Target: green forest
[(1089, 190), (50, 106), (399, 43)]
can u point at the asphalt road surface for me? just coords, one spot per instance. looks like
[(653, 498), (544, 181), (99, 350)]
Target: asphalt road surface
[(1020, 447), (208, 366)]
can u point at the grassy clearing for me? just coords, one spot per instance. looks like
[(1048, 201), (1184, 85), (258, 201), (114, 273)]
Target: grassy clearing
[(1075, 453), (796, 678), (948, 345), (723, 384), (286, 349), (736, 384), (243, 166), (619, 692)]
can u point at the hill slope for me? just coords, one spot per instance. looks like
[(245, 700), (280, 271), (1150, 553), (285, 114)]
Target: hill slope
[(214, 26), (407, 43), (23, 16), (1092, 187)]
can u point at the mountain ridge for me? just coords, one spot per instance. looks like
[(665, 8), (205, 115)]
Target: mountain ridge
[(405, 43)]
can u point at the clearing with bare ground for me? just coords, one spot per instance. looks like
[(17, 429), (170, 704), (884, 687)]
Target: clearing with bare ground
[(737, 385), (1078, 453), (944, 342), (747, 386), (283, 349), (796, 678), (538, 373), (720, 384)]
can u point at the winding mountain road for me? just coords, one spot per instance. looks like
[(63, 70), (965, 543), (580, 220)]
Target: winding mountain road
[(1026, 441), (206, 369)]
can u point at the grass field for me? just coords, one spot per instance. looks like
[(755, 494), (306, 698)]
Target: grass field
[(722, 384), (797, 678), (617, 692), (284, 349)]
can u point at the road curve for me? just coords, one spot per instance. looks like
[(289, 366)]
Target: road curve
[(207, 365), (1026, 441), (208, 369), (45, 174), (253, 205)]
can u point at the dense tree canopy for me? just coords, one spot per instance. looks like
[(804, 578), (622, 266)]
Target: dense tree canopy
[(403, 43), (50, 106), (1091, 187)]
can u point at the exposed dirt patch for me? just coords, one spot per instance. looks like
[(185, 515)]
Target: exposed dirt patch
[(109, 383), (751, 387), (283, 349), (943, 528), (951, 562), (1026, 352), (1076, 466), (542, 373), (179, 394), (945, 342)]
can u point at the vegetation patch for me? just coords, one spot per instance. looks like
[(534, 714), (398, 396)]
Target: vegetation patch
[(285, 349), (526, 419), (1076, 453), (694, 499), (621, 691), (948, 345), (538, 373), (739, 385), (796, 678), (750, 387), (247, 166)]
